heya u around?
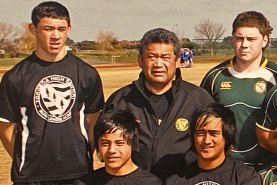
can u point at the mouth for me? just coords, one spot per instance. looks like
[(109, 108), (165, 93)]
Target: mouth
[(111, 159), (206, 148), (244, 52), (158, 72), (55, 45)]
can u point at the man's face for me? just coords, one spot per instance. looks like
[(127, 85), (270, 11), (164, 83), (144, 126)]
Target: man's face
[(248, 43), (209, 142), (116, 153), (51, 35), (158, 64)]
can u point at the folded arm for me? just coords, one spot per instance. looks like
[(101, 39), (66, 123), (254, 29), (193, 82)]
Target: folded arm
[(267, 139)]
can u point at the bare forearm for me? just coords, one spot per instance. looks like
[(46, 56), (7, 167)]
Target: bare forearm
[(270, 144), (267, 139), (91, 120), (7, 136)]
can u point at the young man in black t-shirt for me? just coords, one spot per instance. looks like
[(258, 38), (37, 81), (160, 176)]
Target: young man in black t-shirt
[(115, 137), (49, 102), (212, 134)]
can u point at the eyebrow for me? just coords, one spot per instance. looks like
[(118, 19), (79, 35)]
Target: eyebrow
[(50, 26), (240, 36), (213, 131), (111, 141)]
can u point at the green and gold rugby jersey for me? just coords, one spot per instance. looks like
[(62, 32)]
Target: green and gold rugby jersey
[(243, 93)]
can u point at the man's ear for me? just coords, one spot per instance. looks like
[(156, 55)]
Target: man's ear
[(178, 61), (265, 41), (69, 28), (140, 60), (32, 28)]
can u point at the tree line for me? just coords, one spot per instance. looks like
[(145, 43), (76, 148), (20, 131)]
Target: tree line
[(208, 37)]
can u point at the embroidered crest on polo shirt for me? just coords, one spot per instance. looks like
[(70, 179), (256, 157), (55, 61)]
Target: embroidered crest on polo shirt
[(54, 97), (182, 124), (260, 87), (226, 85)]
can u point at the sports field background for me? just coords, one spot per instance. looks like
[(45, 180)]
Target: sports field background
[(114, 77)]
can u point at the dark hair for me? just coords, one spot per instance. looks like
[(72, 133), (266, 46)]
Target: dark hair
[(201, 115), (114, 120), (50, 9), (253, 19), (160, 35)]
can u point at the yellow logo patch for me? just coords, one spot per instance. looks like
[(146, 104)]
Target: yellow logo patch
[(260, 87), (182, 124), (226, 85)]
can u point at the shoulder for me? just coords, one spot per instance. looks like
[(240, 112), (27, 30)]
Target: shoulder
[(211, 74), (20, 69), (81, 63), (127, 90), (271, 65), (241, 169), (219, 67), (271, 93), (187, 86), (194, 90)]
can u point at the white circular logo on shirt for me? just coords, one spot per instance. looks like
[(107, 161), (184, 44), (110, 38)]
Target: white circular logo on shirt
[(54, 97)]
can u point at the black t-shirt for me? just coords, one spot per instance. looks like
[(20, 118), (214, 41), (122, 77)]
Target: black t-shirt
[(228, 173), (137, 177), (160, 102), (48, 102)]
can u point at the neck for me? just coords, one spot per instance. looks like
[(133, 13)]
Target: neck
[(157, 90), (247, 66), (49, 57), (126, 169), (207, 164)]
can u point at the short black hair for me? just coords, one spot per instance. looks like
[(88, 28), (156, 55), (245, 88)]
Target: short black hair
[(160, 35), (114, 120), (50, 9), (218, 111)]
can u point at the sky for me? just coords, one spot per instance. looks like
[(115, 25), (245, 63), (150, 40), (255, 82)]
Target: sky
[(130, 19)]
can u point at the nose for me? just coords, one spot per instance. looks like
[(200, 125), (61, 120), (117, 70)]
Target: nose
[(158, 62), (55, 34), (207, 138), (112, 148), (244, 42)]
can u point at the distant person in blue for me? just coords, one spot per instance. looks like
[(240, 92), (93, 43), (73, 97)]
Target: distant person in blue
[(186, 57), (190, 58)]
